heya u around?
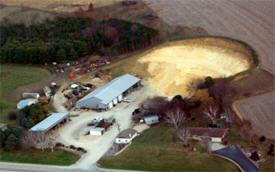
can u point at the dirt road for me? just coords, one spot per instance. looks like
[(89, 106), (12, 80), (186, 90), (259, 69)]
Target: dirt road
[(98, 145)]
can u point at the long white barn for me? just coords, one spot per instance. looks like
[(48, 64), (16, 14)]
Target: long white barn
[(107, 96), (50, 122)]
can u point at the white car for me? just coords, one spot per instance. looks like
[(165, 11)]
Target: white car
[(128, 100)]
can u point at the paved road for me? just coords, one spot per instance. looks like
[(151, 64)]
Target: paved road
[(18, 167)]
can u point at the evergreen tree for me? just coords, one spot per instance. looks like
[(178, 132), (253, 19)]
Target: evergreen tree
[(11, 142), (61, 54)]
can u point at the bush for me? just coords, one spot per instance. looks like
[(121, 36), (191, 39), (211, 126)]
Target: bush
[(80, 149), (254, 156), (27, 123), (11, 142), (58, 144), (18, 131), (72, 147), (2, 138), (35, 112), (208, 82), (12, 115), (262, 139), (271, 150)]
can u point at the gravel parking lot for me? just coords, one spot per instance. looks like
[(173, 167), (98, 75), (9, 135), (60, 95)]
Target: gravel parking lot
[(96, 146)]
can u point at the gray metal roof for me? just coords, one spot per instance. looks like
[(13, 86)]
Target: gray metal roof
[(151, 118), (113, 89), (26, 102), (49, 122), (128, 133)]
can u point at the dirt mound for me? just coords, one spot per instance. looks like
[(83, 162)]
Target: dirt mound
[(174, 67)]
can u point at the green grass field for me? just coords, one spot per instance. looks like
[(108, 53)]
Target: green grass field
[(14, 76), (57, 157), (155, 150)]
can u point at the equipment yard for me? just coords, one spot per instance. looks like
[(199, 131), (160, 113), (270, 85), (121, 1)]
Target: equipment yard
[(152, 85), (96, 146)]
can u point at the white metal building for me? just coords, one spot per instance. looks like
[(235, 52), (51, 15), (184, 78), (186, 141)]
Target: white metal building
[(31, 95), (97, 131), (26, 102), (151, 119), (107, 96), (51, 121)]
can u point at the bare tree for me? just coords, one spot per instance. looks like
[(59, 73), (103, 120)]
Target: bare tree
[(210, 109), (176, 117), (229, 115), (39, 140), (184, 136)]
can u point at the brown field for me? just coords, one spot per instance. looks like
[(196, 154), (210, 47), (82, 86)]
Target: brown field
[(250, 21), (260, 111), (17, 15), (58, 6)]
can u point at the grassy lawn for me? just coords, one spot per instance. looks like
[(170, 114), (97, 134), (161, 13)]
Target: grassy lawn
[(57, 157), (155, 150), (268, 166), (14, 76), (129, 64)]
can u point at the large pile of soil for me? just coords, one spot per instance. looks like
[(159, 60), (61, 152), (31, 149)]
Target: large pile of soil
[(174, 67)]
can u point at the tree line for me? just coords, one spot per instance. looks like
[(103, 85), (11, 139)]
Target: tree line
[(65, 39), (25, 119)]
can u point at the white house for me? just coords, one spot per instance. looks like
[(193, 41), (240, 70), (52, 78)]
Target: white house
[(126, 136), (26, 102)]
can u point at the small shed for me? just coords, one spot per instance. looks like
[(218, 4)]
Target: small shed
[(153, 119), (126, 136), (31, 95), (97, 131), (26, 102)]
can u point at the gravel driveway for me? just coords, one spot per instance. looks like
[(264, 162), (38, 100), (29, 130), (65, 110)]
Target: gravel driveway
[(96, 146)]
